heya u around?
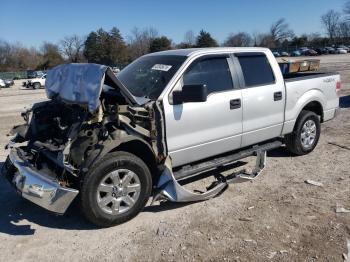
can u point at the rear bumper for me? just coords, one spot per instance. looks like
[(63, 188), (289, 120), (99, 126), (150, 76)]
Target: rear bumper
[(36, 186)]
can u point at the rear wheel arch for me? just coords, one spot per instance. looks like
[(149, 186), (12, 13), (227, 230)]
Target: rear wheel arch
[(314, 106)]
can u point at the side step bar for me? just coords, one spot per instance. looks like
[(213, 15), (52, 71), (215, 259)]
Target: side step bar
[(169, 188), (193, 170)]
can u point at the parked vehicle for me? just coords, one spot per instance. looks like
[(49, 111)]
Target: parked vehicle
[(345, 48), (310, 52), (322, 51), (34, 74), (276, 54), (330, 50), (340, 51), (168, 116), (2, 83), (5, 83), (9, 82), (36, 83), (296, 53), (285, 54)]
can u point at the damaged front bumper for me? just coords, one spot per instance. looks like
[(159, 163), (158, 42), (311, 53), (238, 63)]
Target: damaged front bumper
[(35, 185)]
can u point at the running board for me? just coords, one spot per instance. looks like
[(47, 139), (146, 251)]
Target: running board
[(213, 163), (168, 187)]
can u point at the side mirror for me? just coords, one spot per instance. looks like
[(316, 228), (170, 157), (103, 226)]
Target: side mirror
[(190, 93)]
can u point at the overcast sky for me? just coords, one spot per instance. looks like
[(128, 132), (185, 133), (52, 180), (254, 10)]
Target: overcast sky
[(32, 22)]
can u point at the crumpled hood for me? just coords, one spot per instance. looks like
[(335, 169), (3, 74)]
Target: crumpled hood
[(82, 83)]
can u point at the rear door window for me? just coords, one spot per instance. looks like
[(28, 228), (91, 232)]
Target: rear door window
[(256, 69), (213, 72)]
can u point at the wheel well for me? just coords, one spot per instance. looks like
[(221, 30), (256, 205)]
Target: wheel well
[(315, 107), (140, 150)]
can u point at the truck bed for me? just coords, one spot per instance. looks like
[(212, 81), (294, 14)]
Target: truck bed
[(303, 88), (306, 75)]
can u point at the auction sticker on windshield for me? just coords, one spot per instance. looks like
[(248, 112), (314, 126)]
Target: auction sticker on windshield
[(161, 67)]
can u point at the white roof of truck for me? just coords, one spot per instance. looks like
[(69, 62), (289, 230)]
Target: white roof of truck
[(209, 50)]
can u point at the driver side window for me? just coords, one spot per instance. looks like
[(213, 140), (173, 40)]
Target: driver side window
[(213, 72)]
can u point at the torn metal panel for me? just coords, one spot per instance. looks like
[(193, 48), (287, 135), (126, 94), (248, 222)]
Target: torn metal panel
[(170, 189), (158, 135)]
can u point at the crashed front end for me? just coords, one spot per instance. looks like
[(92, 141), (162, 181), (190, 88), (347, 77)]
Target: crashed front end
[(89, 114)]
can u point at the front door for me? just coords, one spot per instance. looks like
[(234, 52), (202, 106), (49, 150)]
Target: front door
[(199, 130)]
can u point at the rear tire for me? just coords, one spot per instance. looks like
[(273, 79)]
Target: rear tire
[(306, 134), (116, 189)]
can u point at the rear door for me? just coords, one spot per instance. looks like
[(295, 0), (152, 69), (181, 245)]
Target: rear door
[(199, 130), (263, 98)]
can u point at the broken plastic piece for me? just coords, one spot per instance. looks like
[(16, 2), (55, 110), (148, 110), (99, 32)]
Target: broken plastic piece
[(314, 183), (347, 256), (340, 209)]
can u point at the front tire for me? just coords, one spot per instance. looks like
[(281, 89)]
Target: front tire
[(116, 189), (306, 134), (36, 85)]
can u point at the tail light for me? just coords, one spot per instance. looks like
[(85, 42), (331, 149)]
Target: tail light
[(337, 88)]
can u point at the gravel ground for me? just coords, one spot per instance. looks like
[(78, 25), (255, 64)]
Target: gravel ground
[(278, 217)]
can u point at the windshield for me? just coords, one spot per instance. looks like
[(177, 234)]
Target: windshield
[(148, 75)]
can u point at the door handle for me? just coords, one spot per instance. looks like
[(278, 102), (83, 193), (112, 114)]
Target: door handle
[(277, 96), (235, 104)]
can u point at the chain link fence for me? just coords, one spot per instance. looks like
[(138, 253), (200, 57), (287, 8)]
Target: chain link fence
[(14, 75)]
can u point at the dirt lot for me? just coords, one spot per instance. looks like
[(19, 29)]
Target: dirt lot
[(278, 217)]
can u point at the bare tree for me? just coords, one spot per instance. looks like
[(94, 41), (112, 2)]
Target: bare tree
[(266, 40), (346, 10), (140, 41), (330, 21), (72, 48), (257, 38), (344, 31), (189, 38), (279, 31), (17, 57), (240, 39)]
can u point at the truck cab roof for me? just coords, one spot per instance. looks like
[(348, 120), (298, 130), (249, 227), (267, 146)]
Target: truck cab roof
[(209, 50)]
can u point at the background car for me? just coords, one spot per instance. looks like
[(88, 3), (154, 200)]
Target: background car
[(322, 51), (296, 53), (285, 54), (34, 74), (9, 82), (303, 50), (340, 51), (310, 52), (36, 83), (276, 54), (344, 47), (330, 50), (2, 83)]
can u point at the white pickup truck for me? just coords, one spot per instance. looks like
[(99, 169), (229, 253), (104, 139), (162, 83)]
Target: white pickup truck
[(167, 117), (37, 82)]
